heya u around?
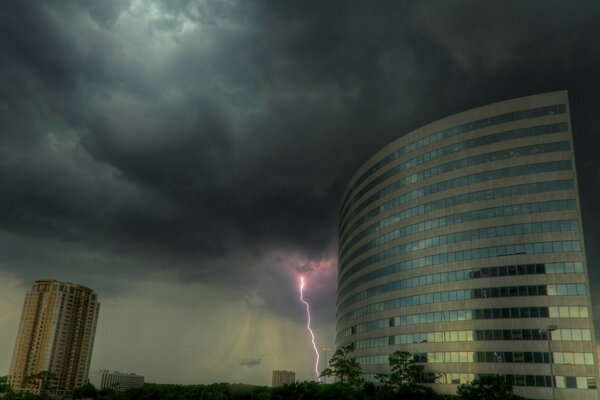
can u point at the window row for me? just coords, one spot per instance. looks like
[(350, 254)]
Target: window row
[(468, 315), (454, 237), (567, 357), (568, 334), (566, 289), (465, 255), (442, 277), (578, 335), (452, 201), (570, 289), (561, 382), (564, 267), (461, 181), (474, 215), (450, 132), (522, 357), (457, 378), (575, 382), (454, 378), (528, 357), (468, 161), (467, 274)]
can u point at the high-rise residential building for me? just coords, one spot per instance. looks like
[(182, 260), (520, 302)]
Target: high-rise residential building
[(55, 338), (119, 381), (461, 242), (281, 378)]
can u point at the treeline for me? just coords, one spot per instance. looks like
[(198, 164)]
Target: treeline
[(491, 389), (403, 382)]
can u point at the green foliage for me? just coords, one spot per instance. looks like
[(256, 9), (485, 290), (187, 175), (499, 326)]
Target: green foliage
[(296, 391), (384, 392), (87, 391), (403, 380), (416, 392), (224, 391), (216, 391), (404, 371), (316, 391), (344, 368), (22, 396), (337, 391), (487, 387), (43, 382), (383, 379), (4, 386), (107, 394)]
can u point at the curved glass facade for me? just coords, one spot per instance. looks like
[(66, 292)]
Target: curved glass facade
[(460, 241)]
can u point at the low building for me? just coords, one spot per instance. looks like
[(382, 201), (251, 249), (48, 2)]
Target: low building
[(281, 378), (119, 381)]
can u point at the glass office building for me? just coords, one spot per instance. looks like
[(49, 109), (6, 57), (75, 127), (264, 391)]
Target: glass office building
[(461, 242)]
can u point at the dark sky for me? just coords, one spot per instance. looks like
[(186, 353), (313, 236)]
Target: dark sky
[(186, 159)]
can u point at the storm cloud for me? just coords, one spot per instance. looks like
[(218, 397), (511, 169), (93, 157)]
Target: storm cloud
[(186, 159)]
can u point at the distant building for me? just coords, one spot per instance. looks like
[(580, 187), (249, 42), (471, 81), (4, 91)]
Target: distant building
[(281, 378), (105, 379), (56, 335)]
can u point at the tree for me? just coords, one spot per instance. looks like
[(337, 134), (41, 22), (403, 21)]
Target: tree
[(403, 380), (337, 391), (487, 387), (216, 391), (42, 382), (296, 391), (10, 395), (346, 369), (87, 391), (404, 371), (383, 379)]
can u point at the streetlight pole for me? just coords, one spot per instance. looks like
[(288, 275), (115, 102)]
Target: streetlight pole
[(325, 350), (549, 329)]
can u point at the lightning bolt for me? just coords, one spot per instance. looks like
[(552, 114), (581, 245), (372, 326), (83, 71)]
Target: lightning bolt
[(312, 335)]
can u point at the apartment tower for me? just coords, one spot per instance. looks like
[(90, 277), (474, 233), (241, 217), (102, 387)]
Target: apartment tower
[(55, 338), (461, 242)]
